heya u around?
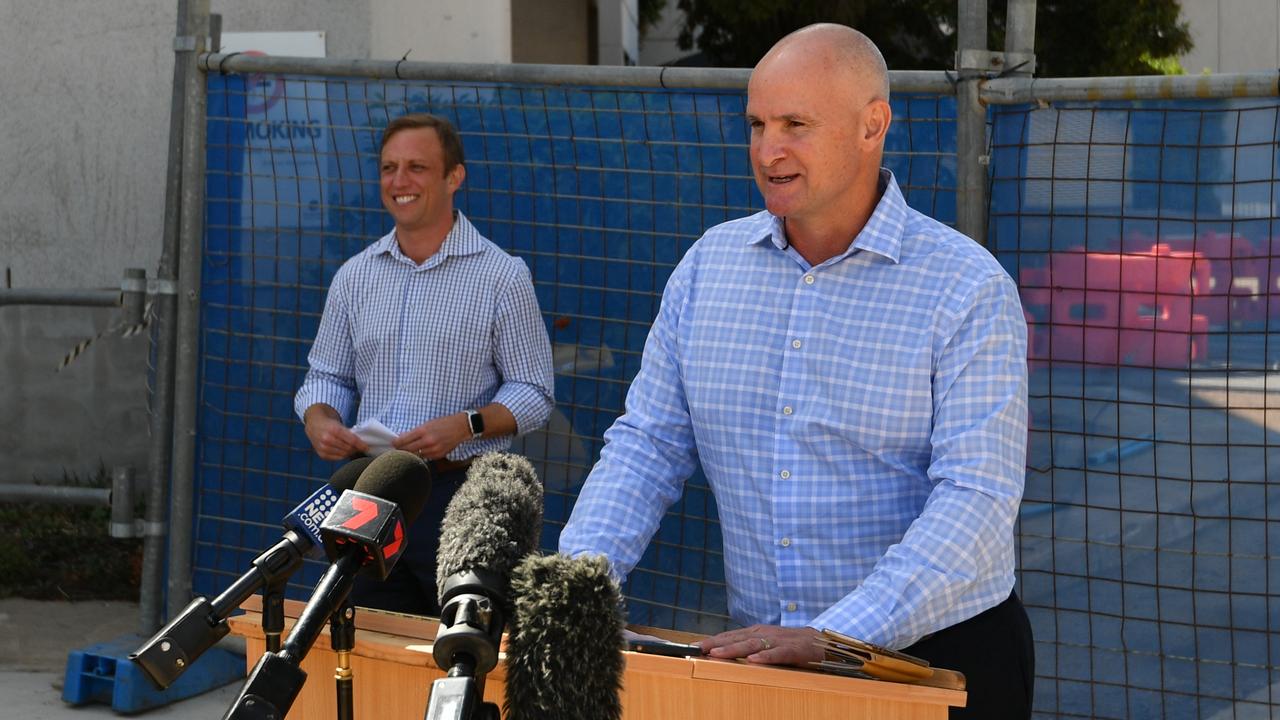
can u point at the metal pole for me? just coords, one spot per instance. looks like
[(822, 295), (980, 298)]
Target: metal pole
[(1017, 91), (155, 529), (60, 494), (133, 296), (186, 359), (971, 122), (40, 296), (901, 81), (1020, 38), (122, 524)]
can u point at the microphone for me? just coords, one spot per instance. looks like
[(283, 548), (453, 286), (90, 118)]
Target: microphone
[(203, 623), (493, 521), (307, 517), (564, 653), (365, 532)]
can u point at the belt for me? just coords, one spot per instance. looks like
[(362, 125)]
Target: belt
[(444, 465)]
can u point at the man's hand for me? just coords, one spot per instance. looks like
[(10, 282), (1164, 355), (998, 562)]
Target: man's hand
[(330, 438), (436, 438), (766, 644)]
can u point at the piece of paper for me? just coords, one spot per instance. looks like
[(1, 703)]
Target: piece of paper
[(376, 435)]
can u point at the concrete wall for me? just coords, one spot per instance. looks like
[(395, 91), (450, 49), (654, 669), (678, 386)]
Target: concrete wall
[(551, 31), (619, 38), (86, 89), (1232, 35), (441, 30), (659, 46)]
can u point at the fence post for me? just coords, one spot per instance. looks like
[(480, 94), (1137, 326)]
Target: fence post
[(1020, 38), (187, 341), (122, 523), (972, 61)]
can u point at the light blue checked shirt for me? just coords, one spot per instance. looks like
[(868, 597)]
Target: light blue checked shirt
[(405, 343), (862, 424)]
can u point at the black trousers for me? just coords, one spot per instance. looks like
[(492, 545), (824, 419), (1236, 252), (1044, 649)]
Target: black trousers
[(411, 586), (995, 651)]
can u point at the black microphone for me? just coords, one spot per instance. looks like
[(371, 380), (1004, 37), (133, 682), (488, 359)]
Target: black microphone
[(365, 532), (203, 623), (564, 653), (492, 522)]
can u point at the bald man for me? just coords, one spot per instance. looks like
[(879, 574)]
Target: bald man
[(851, 375)]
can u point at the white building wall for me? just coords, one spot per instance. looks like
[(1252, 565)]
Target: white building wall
[(1232, 35), (619, 39), (86, 88), (659, 46), (441, 30)]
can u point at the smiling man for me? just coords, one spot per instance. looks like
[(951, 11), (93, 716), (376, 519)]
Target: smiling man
[(433, 331), (851, 376)]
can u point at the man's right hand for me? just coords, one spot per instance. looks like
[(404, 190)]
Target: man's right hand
[(330, 438)]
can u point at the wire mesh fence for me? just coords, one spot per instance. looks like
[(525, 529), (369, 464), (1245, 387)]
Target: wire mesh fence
[(1139, 233)]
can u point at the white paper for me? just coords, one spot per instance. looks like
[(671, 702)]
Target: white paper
[(376, 435)]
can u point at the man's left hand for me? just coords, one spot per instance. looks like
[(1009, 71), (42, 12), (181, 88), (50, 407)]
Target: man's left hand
[(436, 438), (766, 644)]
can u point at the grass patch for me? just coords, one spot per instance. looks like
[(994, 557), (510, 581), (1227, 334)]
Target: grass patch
[(65, 552)]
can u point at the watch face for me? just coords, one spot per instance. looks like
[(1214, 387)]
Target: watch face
[(477, 422)]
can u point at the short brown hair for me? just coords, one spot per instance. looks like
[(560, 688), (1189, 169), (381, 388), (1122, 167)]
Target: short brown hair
[(450, 142)]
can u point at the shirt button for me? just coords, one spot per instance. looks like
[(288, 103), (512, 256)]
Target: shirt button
[(791, 607), (784, 474), (808, 279), (787, 410), (786, 542), (795, 344)]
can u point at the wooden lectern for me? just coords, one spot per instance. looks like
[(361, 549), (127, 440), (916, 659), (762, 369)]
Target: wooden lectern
[(393, 671)]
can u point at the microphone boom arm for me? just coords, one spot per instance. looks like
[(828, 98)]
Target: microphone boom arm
[(168, 653)]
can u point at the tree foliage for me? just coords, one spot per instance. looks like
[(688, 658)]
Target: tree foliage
[(1073, 37)]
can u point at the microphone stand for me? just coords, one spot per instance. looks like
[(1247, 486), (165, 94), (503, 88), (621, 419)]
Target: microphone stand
[(273, 613), (278, 677), (342, 638), (173, 648)]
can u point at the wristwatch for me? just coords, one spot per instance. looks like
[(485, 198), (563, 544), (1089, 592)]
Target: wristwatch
[(476, 421)]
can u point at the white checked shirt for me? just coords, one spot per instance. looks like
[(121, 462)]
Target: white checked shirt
[(405, 343), (862, 424)]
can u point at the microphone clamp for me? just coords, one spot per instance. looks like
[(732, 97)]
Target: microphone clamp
[(472, 618)]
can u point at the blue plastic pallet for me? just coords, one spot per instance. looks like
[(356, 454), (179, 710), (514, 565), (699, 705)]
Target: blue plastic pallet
[(103, 673)]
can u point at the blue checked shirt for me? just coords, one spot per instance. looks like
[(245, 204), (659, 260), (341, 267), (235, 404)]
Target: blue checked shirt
[(862, 424), (405, 343)]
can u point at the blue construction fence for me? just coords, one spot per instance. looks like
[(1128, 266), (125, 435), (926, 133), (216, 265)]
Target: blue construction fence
[(1140, 235)]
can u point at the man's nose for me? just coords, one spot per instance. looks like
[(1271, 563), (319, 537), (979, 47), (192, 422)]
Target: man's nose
[(768, 148)]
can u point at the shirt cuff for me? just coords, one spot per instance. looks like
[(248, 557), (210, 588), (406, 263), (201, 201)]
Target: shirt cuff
[(867, 623), (528, 405), (338, 398)]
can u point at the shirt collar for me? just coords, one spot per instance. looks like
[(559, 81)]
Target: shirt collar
[(463, 239), (881, 235)]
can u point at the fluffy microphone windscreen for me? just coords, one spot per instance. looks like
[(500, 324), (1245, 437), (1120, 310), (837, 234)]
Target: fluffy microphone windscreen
[(345, 477), (494, 519), (398, 476), (564, 652)]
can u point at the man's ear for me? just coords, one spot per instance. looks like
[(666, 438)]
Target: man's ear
[(456, 176), (877, 117)]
